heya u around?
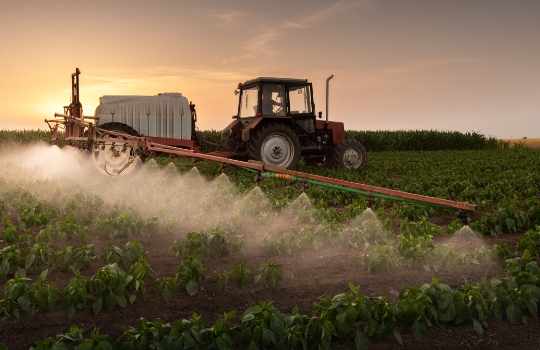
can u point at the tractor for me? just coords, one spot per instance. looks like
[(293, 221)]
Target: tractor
[(276, 123)]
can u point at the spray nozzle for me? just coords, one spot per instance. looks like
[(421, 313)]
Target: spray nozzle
[(462, 216), (258, 179)]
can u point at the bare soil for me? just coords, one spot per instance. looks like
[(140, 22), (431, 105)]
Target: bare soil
[(308, 275)]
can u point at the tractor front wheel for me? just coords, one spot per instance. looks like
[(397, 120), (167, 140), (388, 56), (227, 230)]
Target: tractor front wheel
[(275, 144), (350, 154)]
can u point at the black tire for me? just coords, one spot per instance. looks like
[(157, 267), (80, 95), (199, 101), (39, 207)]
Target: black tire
[(275, 144), (350, 154), (119, 127), (323, 161)]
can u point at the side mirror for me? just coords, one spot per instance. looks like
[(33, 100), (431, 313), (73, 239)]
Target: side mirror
[(320, 115), (236, 92)]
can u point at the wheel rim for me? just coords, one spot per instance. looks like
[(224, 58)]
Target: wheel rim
[(277, 149), (352, 158), (113, 160)]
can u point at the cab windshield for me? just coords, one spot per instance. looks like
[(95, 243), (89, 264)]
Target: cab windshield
[(248, 102)]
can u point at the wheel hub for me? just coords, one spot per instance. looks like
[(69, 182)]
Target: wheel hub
[(277, 149), (351, 158), (277, 152), (112, 161)]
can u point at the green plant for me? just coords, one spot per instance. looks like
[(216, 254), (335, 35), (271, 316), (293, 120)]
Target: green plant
[(139, 272), (33, 215), (126, 256), (9, 233), (272, 273), (109, 285), (238, 244), (40, 256), (77, 296), (165, 287), (221, 279), (218, 242), (380, 257), (420, 228), (75, 259), (348, 315), (416, 311), (415, 249), (14, 260), (190, 273), (147, 336), (501, 251), (43, 295), (17, 296), (262, 325), (242, 274), (271, 244), (530, 241), (70, 229)]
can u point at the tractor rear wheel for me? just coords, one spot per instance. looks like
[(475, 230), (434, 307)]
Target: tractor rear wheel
[(113, 158), (350, 154), (275, 144)]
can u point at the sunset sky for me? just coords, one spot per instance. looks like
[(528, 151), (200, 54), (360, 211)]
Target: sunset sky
[(459, 65)]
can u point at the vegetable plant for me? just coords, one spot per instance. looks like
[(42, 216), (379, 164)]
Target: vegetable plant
[(190, 273), (242, 274), (272, 273)]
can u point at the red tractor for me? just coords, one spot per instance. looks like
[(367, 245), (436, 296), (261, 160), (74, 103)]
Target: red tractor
[(276, 124)]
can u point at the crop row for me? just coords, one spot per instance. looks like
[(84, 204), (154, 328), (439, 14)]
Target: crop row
[(374, 141), (126, 276), (350, 318)]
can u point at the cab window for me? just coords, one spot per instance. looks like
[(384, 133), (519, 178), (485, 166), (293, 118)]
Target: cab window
[(300, 100)]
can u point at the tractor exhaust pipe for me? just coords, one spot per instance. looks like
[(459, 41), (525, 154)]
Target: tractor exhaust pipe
[(327, 92)]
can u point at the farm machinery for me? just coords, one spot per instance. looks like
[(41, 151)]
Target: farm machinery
[(274, 127)]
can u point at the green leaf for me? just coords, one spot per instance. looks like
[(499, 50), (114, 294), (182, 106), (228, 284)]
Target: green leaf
[(419, 330), (248, 317), (29, 260), (71, 311), (121, 300), (191, 287), (98, 305), (253, 310), (533, 308), (167, 294), (4, 268), (24, 303), (478, 326), (397, 334), (513, 313), (361, 341), (110, 301)]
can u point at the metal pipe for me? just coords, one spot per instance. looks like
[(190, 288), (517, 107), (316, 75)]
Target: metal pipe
[(352, 190), (327, 92)]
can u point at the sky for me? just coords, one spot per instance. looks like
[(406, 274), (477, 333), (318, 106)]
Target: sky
[(460, 65)]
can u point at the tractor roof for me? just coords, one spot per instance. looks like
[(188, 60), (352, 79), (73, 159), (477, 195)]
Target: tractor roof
[(275, 80)]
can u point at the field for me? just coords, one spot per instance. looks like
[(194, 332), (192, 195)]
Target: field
[(299, 265), (528, 143)]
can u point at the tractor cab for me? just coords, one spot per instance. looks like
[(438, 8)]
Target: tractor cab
[(277, 97)]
